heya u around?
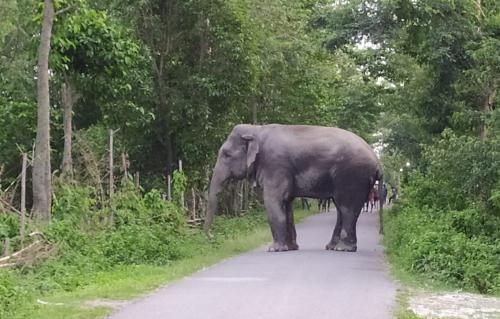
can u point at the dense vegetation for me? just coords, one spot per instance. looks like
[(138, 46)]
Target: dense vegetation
[(446, 227), (418, 79), (146, 230)]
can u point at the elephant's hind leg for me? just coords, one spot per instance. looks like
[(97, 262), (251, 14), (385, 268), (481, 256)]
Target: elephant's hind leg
[(291, 236), (344, 235), (336, 231)]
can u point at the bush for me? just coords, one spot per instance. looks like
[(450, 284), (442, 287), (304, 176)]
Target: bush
[(424, 242), (446, 225), (133, 228), (9, 228), (13, 294), (467, 168)]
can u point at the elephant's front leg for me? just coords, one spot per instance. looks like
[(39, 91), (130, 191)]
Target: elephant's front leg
[(276, 214)]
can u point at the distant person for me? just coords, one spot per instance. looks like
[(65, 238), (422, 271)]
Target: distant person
[(394, 195), (384, 194), (370, 200), (324, 204), (305, 203)]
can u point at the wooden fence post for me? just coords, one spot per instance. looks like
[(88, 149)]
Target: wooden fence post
[(137, 184), (111, 166), (194, 204), (182, 193), (23, 199), (6, 247), (169, 187), (125, 165)]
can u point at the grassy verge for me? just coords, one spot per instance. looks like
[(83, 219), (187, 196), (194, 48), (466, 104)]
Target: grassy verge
[(406, 234), (409, 282), (402, 311), (126, 282)]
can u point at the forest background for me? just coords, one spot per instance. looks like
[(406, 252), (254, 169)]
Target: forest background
[(169, 79)]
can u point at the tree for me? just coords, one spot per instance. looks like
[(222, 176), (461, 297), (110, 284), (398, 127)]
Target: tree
[(42, 182), (18, 90), (87, 45)]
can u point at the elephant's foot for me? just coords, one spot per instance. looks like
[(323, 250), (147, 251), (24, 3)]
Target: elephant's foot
[(331, 245), (276, 247), (292, 246), (341, 246)]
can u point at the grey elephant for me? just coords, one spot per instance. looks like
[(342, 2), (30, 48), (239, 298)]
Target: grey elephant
[(289, 161)]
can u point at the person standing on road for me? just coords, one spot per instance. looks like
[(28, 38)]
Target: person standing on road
[(384, 193), (394, 195), (305, 203), (370, 200)]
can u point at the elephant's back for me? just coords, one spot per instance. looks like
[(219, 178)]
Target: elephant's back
[(320, 143)]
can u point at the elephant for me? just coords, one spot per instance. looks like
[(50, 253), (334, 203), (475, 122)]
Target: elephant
[(288, 161)]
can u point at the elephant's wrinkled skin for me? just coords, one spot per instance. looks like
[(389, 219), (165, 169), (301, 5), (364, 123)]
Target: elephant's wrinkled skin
[(290, 161)]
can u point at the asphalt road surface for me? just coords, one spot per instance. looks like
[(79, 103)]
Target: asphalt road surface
[(311, 283)]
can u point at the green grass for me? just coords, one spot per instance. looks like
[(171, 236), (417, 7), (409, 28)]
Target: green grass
[(74, 312), (126, 282), (402, 311), (411, 283)]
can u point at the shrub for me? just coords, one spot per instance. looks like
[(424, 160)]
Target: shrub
[(9, 228), (446, 225), (133, 228), (13, 294), (424, 242)]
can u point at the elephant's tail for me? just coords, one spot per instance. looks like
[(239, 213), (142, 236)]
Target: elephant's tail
[(380, 177)]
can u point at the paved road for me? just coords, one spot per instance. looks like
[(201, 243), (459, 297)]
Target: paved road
[(311, 283)]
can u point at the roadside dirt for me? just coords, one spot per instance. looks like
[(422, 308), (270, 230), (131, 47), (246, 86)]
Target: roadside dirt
[(457, 305), (113, 304)]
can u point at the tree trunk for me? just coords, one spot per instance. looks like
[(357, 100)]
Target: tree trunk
[(42, 184), (487, 107), (163, 131), (204, 24), (69, 98), (23, 199), (111, 166), (254, 113)]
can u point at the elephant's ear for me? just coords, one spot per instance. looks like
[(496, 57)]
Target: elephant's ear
[(252, 151)]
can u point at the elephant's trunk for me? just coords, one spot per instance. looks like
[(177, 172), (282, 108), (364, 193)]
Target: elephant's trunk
[(216, 184)]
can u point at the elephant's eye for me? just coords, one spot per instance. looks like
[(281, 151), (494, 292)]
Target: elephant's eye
[(226, 153)]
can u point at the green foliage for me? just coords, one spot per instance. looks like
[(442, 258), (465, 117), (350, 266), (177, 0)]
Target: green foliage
[(9, 228), (449, 247), (14, 295), (139, 229), (179, 184), (17, 125), (455, 158), (176, 76), (230, 227), (73, 202), (446, 227), (86, 41)]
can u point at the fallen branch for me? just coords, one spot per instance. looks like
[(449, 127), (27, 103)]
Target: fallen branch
[(196, 222), (37, 233), (49, 303), (27, 248), (11, 208)]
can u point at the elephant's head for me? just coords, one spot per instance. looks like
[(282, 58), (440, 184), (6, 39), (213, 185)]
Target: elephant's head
[(236, 160)]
